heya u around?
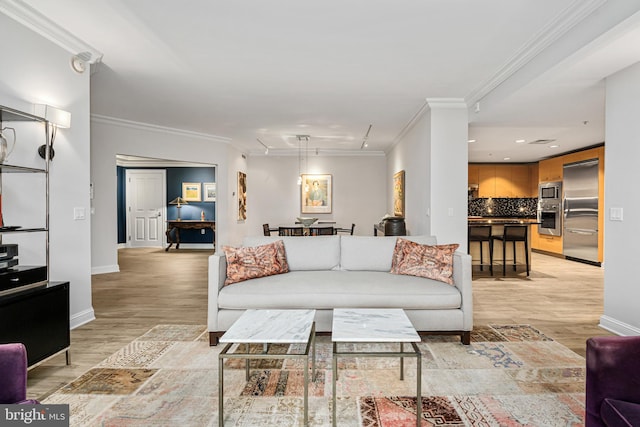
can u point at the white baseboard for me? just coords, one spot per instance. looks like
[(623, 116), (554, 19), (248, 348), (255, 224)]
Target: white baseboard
[(105, 269), (617, 327), (122, 245), (81, 318)]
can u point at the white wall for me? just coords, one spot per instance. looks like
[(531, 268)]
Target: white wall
[(433, 153), (359, 190), (36, 71), (110, 137), (237, 162), (411, 154), (621, 290)]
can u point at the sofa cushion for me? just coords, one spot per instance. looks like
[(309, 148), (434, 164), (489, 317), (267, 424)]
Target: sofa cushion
[(303, 252), (618, 413), (252, 262), (372, 253), (432, 262), (339, 289)]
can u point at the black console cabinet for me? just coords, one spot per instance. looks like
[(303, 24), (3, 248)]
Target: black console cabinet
[(39, 318)]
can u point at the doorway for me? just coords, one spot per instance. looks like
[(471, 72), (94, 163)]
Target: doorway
[(146, 200)]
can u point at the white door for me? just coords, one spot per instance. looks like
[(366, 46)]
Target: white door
[(146, 202)]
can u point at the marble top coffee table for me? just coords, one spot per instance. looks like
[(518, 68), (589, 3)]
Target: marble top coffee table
[(376, 326), (269, 327)]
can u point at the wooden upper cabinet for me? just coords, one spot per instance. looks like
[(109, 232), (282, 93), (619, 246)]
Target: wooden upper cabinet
[(550, 169), (520, 181), (504, 186), (533, 180), (473, 174), (511, 180), (487, 181)]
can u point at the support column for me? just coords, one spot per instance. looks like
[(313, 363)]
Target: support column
[(448, 158)]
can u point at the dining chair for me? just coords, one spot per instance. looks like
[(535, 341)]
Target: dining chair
[(346, 230), (290, 231), (321, 231)]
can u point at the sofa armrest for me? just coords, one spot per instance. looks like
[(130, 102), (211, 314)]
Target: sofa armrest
[(217, 276), (462, 281), (613, 371), (13, 373)]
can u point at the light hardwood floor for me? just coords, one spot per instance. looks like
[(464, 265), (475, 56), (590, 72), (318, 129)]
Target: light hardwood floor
[(563, 299)]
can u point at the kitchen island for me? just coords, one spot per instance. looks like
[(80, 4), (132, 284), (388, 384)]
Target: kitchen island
[(497, 229)]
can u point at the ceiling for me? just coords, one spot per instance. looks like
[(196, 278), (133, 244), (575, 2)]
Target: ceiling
[(263, 72)]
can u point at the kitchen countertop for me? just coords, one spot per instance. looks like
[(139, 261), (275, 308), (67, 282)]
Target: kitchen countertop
[(478, 220)]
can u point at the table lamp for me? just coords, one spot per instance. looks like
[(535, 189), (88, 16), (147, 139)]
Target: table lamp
[(178, 201)]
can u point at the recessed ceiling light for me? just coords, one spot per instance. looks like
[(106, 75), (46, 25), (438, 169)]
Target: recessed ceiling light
[(507, 158), (519, 141), (471, 140), (553, 146)]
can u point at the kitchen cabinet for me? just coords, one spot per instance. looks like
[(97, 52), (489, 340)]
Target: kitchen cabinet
[(520, 181), (551, 244), (510, 180), (503, 181), (473, 174), (533, 180), (487, 181), (551, 169)]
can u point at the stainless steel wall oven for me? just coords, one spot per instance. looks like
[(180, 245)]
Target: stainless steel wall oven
[(550, 208)]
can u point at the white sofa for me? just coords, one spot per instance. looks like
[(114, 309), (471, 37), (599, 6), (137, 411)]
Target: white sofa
[(327, 272)]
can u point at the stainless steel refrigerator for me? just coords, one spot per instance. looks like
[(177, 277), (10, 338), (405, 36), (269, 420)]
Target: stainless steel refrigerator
[(580, 207)]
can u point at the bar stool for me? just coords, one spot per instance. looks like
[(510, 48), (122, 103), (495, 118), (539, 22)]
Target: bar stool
[(514, 233), (481, 234)]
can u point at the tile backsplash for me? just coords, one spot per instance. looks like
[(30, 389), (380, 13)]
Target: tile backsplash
[(504, 207)]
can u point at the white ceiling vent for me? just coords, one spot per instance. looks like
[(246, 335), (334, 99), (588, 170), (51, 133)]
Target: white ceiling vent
[(542, 141)]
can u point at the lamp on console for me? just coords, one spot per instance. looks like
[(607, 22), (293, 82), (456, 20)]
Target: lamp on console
[(178, 201), (57, 118)]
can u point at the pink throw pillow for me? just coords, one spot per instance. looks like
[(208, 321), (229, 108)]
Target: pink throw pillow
[(252, 262), (432, 262)]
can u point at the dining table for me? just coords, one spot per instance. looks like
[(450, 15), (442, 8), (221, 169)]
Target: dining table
[(302, 230)]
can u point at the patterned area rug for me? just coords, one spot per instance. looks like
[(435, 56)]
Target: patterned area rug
[(510, 375)]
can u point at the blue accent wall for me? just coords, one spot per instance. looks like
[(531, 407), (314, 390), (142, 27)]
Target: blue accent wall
[(175, 178), (193, 210), (122, 205)]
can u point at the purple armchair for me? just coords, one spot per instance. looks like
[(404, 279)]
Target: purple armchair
[(613, 381), (13, 374)]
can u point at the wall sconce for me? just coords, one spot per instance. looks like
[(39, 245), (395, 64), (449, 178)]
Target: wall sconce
[(58, 119)]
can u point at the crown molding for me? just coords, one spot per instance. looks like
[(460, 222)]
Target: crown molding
[(34, 20), (321, 153), (96, 118), (449, 103), (145, 162), (571, 16), (410, 124)]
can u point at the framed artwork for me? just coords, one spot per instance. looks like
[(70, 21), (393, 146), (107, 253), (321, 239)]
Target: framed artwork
[(191, 191), (209, 191), (398, 194), (242, 196), (316, 194)]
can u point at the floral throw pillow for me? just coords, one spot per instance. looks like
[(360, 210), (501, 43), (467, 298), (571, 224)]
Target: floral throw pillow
[(252, 262), (433, 262)]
